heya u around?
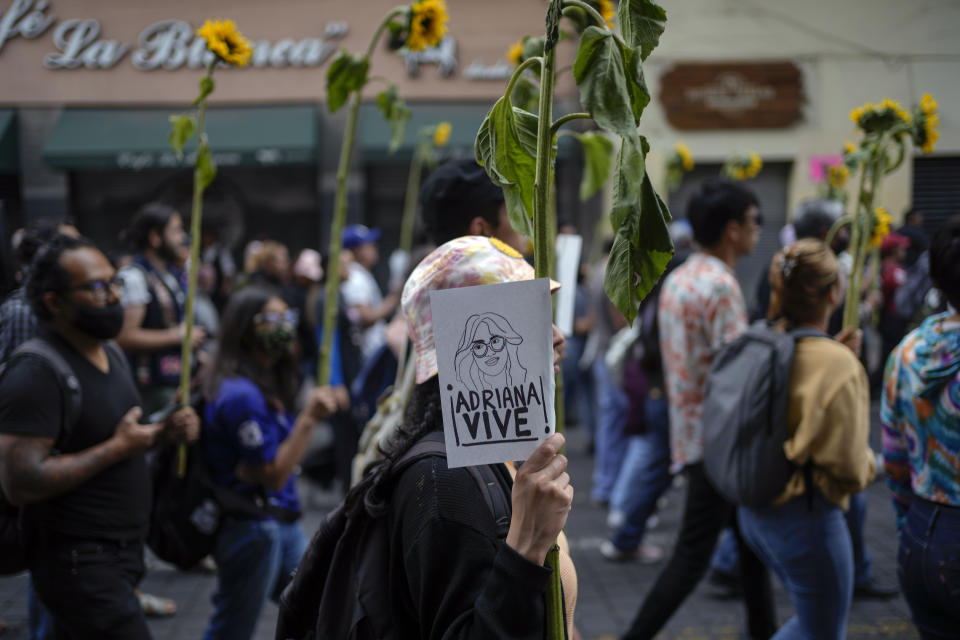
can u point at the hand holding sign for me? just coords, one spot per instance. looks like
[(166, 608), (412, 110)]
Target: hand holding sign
[(542, 497)]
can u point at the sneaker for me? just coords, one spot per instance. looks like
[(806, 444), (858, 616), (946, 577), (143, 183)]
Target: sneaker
[(873, 590), (615, 518), (644, 554)]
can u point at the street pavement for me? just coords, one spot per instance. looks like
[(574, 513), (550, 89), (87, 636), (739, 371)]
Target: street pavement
[(609, 593)]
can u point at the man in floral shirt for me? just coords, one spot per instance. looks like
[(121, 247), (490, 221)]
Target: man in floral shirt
[(701, 309)]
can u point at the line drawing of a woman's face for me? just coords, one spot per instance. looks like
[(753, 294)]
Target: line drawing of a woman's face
[(487, 353), (488, 350)]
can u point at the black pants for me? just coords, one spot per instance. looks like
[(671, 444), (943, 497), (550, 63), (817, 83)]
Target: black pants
[(705, 514), (88, 587)]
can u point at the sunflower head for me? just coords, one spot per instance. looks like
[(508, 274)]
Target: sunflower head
[(881, 227), (607, 11), (837, 175), (926, 121), (849, 148), (441, 135), (226, 42), (684, 156), (515, 53), (743, 166), (873, 118), (428, 24)]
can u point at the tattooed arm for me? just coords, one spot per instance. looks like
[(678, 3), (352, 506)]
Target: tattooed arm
[(28, 473)]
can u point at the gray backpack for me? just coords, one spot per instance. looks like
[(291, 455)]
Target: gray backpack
[(745, 415)]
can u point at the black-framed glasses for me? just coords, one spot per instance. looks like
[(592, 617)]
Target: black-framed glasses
[(479, 348), (289, 317), (99, 289)]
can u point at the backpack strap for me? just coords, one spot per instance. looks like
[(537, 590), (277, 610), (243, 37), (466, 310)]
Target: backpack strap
[(491, 488), (70, 391)]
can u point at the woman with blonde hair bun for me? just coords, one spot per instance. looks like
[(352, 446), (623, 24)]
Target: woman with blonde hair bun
[(802, 535)]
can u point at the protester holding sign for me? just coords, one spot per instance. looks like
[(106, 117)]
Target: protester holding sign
[(452, 574)]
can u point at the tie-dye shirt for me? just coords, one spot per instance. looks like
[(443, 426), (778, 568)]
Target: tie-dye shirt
[(701, 309), (920, 414)]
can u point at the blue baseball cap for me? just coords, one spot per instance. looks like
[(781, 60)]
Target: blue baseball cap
[(355, 235)]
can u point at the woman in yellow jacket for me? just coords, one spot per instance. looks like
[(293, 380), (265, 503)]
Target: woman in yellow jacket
[(803, 537)]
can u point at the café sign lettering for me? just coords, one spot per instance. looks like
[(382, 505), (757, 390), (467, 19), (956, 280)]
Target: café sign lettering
[(172, 44)]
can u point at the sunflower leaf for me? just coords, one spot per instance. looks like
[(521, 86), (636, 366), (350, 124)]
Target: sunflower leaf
[(612, 88), (182, 128), (345, 75), (396, 112), (642, 22), (642, 246), (506, 148), (206, 168), (597, 152), (207, 86)]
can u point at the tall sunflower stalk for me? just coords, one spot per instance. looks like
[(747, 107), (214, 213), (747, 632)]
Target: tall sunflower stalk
[(229, 48), (517, 147), (886, 128), (424, 25), (428, 139)]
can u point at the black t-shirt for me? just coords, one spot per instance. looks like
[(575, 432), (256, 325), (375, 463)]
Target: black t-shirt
[(114, 504)]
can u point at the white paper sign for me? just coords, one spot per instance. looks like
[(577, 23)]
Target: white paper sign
[(568, 267), (495, 362)]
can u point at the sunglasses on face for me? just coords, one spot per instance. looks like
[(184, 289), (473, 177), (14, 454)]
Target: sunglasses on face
[(289, 317), (479, 348), (99, 289)]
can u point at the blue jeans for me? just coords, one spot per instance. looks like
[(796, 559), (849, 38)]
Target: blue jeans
[(254, 560), (40, 622), (611, 442), (644, 476), (811, 552), (725, 557), (928, 566)]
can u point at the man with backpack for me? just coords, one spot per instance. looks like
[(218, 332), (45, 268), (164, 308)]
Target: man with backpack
[(701, 309), (72, 449)]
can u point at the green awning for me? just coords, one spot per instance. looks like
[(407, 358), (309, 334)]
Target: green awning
[(374, 132), (91, 139), (9, 153)]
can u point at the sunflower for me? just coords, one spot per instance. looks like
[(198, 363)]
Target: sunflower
[(515, 53), (927, 119), (849, 148), (428, 24), (226, 42), (881, 226), (755, 165), (837, 175), (684, 155), (607, 12), (441, 135)]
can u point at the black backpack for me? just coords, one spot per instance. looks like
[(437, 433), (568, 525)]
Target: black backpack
[(745, 415), (340, 589), (187, 510), (13, 557)]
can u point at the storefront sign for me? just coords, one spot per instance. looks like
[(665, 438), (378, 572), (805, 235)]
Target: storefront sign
[(732, 95)]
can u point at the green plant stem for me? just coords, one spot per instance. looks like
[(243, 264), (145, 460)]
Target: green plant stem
[(593, 13), (541, 185), (332, 287), (407, 221), (557, 629), (851, 307), (523, 66), (835, 228), (186, 349), (567, 118)]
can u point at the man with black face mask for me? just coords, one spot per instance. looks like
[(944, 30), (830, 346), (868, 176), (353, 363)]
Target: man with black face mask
[(153, 298), (84, 487)]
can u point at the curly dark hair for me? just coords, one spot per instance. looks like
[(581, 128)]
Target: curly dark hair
[(716, 203), (424, 414), (48, 274), (945, 261)]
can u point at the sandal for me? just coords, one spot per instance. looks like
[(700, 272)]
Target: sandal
[(155, 606)]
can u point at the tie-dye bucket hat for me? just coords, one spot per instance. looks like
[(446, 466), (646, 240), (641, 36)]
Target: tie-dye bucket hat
[(467, 261)]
